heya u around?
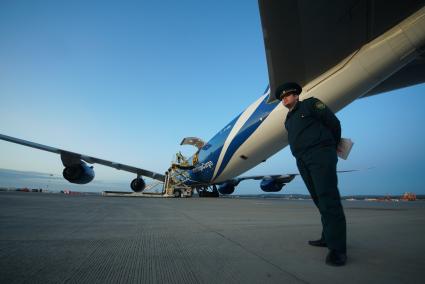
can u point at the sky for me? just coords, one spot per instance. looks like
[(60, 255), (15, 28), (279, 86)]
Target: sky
[(127, 80)]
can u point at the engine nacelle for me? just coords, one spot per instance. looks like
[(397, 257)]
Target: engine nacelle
[(226, 188), (138, 185), (270, 185), (79, 174)]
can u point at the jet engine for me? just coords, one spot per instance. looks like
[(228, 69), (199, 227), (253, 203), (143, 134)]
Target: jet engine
[(271, 185), (226, 188), (79, 174), (138, 185)]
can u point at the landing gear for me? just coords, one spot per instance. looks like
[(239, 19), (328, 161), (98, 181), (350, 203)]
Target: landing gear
[(177, 193), (182, 191), (212, 192)]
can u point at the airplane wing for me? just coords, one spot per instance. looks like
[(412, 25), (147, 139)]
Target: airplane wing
[(304, 38), (286, 178), (269, 183), (71, 158), (278, 178)]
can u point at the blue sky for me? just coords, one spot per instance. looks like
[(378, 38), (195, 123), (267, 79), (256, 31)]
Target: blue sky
[(127, 80)]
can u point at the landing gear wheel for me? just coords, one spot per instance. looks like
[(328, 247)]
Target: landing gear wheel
[(177, 193), (214, 192), (205, 193)]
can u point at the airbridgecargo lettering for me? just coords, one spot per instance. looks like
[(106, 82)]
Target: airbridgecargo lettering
[(203, 166)]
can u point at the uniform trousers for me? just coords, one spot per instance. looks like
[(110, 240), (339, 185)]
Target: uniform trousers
[(318, 169)]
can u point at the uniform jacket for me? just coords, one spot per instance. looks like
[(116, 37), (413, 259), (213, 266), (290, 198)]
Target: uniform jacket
[(311, 124)]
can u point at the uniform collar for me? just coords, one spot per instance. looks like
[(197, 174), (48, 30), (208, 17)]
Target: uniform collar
[(295, 106)]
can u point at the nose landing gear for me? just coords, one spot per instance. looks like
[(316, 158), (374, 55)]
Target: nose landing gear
[(208, 191)]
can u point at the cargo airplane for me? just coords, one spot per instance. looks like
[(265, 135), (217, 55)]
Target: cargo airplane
[(337, 51)]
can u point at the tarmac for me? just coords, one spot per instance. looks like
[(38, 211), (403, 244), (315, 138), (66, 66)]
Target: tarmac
[(54, 238)]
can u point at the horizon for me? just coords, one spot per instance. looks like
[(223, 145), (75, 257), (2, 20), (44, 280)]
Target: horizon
[(55, 184)]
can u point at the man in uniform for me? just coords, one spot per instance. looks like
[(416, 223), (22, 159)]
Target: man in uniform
[(314, 133)]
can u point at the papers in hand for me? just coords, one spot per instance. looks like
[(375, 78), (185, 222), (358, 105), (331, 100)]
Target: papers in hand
[(344, 148)]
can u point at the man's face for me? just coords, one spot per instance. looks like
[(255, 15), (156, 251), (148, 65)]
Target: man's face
[(290, 100)]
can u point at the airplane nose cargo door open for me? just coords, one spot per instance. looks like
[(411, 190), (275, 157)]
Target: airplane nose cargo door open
[(177, 176)]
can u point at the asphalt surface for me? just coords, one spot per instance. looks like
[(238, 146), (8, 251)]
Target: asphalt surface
[(52, 238)]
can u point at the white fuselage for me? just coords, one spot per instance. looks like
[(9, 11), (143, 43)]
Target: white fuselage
[(350, 79)]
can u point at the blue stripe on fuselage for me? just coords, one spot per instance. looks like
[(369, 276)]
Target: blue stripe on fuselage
[(255, 120), (209, 154)]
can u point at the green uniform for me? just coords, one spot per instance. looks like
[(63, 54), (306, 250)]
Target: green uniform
[(313, 133)]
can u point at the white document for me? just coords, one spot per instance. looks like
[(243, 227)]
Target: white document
[(344, 148)]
